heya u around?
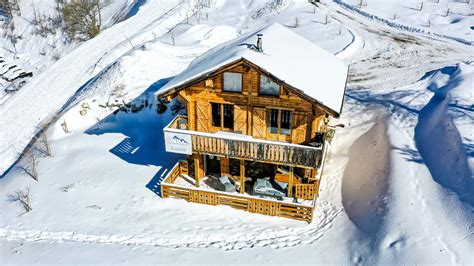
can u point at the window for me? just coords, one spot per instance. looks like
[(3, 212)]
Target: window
[(273, 121), (280, 122), (228, 116), (222, 115), (285, 128), (232, 82), (268, 87), (216, 114)]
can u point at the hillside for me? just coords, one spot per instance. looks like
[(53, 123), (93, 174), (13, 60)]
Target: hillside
[(398, 181)]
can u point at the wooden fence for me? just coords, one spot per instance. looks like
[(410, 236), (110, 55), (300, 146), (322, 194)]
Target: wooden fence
[(254, 205), (261, 206), (306, 191)]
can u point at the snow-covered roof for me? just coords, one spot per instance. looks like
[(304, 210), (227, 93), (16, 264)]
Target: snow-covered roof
[(286, 55)]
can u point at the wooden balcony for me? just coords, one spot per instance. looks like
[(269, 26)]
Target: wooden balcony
[(236, 145)]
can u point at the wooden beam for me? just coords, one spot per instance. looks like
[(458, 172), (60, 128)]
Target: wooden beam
[(290, 182), (225, 166), (197, 169), (242, 176)]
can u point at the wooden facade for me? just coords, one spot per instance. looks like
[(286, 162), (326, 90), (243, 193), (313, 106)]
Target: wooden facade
[(251, 109), (261, 139)]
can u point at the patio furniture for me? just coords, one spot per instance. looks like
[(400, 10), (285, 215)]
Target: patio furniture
[(263, 188), (223, 184)]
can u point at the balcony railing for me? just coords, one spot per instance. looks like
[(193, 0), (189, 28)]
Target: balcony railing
[(242, 146), (169, 189)]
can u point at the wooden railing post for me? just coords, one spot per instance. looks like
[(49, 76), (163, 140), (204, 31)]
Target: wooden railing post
[(290, 183), (242, 176), (198, 171)]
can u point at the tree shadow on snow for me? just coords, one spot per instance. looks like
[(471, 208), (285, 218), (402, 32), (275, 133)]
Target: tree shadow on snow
[(143, 141), (365, 180), (440, 144)]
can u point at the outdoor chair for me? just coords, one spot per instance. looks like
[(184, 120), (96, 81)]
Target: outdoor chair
[(263, 188), (223, 184)]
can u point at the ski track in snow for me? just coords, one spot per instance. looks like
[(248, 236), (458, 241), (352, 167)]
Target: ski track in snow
[(262, 237)]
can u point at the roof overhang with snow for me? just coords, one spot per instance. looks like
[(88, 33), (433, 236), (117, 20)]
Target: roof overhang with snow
[(308, 70)]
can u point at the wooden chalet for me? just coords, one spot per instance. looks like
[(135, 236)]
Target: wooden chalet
[(257, 113)]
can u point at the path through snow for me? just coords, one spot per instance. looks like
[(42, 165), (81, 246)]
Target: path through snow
[(258, 237)]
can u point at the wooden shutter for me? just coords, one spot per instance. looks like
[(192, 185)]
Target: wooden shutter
[(240, 119), (202, 116), (298, 133), (258, 123)]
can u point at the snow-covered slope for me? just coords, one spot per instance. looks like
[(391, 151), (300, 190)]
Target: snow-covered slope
[(384, 197), (38, 101)]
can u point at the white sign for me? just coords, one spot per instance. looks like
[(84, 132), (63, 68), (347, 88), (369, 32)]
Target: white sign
[(178, 143)]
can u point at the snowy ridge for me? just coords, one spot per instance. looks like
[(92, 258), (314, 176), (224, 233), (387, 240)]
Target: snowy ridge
[(401, 26)]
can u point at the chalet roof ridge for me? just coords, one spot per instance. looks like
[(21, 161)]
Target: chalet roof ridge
[(286, 55)]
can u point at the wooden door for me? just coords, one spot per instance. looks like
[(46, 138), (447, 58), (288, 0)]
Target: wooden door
[(202, 116), (298, 133), (258, 123), (240, 119)]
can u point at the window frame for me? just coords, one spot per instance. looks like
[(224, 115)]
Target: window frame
[(241, 82), (221, 118), (260, 87), (279, 121)]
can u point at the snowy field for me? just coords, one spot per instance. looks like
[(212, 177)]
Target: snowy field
[(451, 18), (398, 185)]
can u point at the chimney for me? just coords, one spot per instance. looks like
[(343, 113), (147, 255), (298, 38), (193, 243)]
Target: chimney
[(259, 43)]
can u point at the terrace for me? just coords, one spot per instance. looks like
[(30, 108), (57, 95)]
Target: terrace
[(178, 184)]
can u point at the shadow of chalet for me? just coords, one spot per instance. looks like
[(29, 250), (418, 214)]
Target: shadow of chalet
[(142, 131)]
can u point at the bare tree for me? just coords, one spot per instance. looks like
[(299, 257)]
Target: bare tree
[(30, 165), (45, 148), (22, 197)]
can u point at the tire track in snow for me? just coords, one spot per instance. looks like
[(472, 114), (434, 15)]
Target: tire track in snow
[(262, 237)]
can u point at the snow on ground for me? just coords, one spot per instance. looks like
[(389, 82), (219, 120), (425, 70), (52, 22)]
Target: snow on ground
[(384, 198), (56, 85), (445, 17)]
